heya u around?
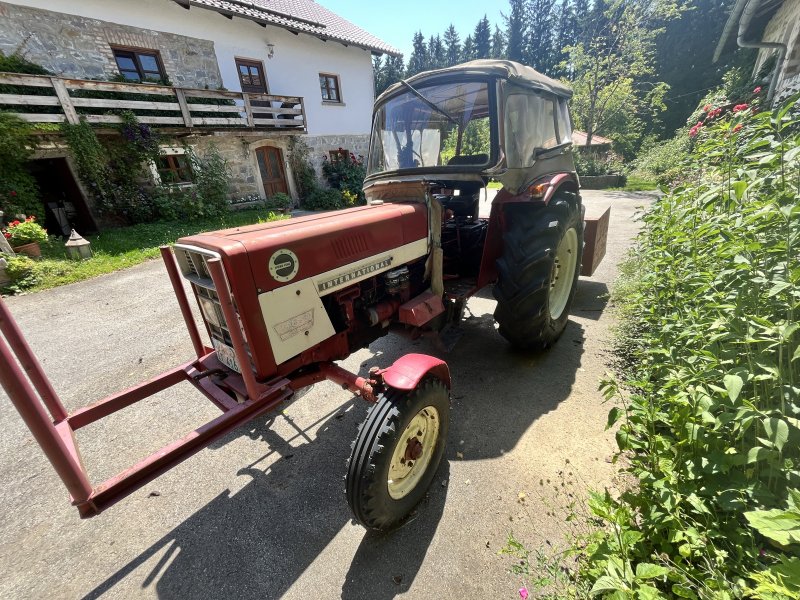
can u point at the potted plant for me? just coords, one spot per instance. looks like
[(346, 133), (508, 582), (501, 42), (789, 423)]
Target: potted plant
[(25, 236)]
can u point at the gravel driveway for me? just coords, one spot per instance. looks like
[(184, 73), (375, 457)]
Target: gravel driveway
[(262, 514)]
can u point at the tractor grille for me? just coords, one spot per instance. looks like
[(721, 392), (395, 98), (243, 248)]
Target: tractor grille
[(193, 264)]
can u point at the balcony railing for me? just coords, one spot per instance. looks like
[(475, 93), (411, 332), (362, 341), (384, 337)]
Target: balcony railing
[(43, 99)]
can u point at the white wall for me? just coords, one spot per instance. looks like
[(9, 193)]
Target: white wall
[(293, 71)]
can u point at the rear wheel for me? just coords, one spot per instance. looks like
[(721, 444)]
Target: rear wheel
[(396, 454), (538, 272)]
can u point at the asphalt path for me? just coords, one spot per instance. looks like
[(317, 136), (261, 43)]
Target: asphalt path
[(262, 513)]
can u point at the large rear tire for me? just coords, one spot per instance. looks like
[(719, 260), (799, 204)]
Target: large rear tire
[(538, 271), (396, 454)]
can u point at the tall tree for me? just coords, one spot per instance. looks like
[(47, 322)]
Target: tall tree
[(468, 49), (539, 41), (482, 38), (418, 61), (516, 30), (683, 59), (436, 53), (566, 35), (393, 69), (610, 97), (498, 43), (452, 46), (377, 74)]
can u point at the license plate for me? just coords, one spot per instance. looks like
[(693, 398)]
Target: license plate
[(226, 355)]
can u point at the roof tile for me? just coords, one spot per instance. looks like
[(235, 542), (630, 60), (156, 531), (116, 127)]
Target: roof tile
[(303, 16)]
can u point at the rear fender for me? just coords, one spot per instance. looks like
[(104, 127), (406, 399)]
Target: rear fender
[(539, 193), (407, 371)]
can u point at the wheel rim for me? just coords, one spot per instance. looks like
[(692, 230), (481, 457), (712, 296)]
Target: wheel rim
[(413, 452), (563, 272)]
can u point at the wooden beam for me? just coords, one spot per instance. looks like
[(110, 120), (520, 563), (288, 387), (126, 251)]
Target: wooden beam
[(64, 99), (187, 116), (248, 110)]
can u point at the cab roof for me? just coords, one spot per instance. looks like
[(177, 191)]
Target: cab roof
[(509, 70)]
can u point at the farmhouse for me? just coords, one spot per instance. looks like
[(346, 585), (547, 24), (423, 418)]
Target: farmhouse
[(246, 76)]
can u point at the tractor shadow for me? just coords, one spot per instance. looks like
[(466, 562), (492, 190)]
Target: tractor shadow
[(259, 541)]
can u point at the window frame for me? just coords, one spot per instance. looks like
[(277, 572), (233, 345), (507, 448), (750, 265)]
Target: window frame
[(338, 88), (173, 156), (133, 53), (251, 62)]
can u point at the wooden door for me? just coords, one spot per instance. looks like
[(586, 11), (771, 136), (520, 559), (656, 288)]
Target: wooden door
[(273, 176)]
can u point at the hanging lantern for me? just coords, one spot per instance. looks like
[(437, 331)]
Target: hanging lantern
[(77, 247)]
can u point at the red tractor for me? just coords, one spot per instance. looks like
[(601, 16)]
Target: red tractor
[(283, 301)]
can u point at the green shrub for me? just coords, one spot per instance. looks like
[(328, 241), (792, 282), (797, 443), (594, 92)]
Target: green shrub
[(710, 350), (304, 177), (212, 182), (346, 172), (19, 194), (591, 163), (21, 270), (279, 201), (324, 199)]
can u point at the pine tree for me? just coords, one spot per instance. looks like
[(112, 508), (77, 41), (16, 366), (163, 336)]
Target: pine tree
[(452, 46), (581, 10), (436, 54), (498, 43), (539, 43), (393, 69), (566, 35), (418, 60), (516, 31), (482, 38), (377, 73), (468, 49)]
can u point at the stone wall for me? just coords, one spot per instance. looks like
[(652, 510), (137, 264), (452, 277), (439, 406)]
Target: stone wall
[(239, 151), (79, 47), (321, 145)]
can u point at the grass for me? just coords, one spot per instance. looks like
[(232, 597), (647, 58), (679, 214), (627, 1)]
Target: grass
[(123, 247), (638, 184)]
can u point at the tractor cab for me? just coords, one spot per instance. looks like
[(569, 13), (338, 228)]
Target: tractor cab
[(463, 125)]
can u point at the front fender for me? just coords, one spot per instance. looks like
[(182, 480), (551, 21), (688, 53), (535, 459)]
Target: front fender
[(407, 371)]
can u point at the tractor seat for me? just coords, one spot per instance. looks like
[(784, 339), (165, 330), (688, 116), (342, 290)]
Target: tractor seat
[(469, 159)]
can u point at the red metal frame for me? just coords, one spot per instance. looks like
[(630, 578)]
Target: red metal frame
[(240, 397)]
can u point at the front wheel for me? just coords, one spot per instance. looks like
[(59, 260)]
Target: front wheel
[(538, 271), (396, 454)]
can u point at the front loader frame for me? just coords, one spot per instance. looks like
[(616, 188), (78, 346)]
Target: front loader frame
[(240, 397)]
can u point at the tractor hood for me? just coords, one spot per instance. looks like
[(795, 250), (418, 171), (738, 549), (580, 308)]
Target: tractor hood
[(279, 252)]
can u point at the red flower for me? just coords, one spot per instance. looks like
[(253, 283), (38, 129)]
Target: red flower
[(707, 108), (740, 107), (13, 223), (757, 90), (7, 235), (12, 193), (694, 130), (737, 128)]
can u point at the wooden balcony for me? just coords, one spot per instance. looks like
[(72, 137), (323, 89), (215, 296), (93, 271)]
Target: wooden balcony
[(43, 99)]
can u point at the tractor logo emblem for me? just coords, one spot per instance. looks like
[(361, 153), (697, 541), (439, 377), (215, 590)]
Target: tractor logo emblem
[(283, 265)]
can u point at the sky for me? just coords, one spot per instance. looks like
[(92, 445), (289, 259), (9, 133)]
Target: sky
[(396, 22)]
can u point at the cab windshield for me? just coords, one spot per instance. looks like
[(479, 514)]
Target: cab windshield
[(446, 125)]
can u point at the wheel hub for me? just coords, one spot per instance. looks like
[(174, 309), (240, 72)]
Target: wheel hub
[(564, 265), (413, 452)]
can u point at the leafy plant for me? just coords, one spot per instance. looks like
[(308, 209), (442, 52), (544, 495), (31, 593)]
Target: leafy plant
[(279, 201), (709, 349), (304, 177), (324, 199), (346, 172), (19, 194), (19, 233)]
